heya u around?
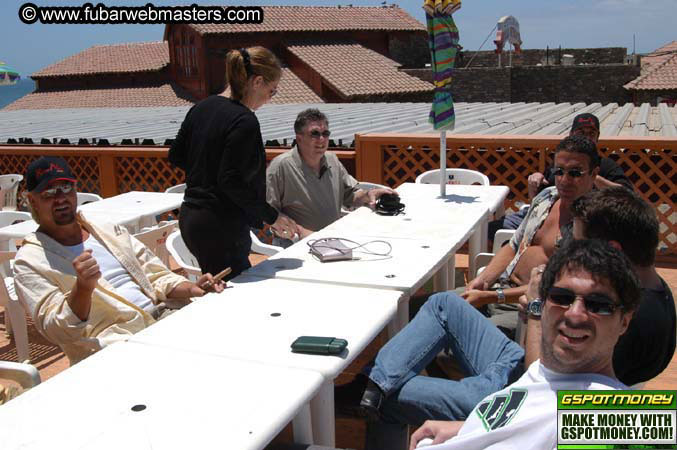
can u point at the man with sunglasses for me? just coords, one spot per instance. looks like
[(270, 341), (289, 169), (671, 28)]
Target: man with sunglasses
[(87, 284), (309, 184), (589, 293), (547, 222), (628, 223), (610, 174)]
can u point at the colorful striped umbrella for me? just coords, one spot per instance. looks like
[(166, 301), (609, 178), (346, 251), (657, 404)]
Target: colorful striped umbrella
[(443, 43), (8, 76)]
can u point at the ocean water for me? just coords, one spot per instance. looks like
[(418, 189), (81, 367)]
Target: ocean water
[(10, 93)]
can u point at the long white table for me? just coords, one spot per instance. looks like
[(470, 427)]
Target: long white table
[(411, 263), (134, 210), (146, 205), (22, 229), (459, 201), (257, 320), (135, 396)]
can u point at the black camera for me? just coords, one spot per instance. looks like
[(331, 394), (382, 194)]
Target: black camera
[(389, 205)]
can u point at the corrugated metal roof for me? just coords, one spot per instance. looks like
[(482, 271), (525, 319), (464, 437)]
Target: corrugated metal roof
[(159, 125)]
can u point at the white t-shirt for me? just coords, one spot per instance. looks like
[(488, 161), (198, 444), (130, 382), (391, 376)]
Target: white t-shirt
[(113, 272), (524, 414)]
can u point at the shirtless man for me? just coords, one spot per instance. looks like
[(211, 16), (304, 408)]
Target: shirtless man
[(549, 218)]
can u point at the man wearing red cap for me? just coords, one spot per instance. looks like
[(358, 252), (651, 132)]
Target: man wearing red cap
[(88, 285)]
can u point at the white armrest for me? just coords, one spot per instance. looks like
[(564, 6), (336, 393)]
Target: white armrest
[(24, 374)]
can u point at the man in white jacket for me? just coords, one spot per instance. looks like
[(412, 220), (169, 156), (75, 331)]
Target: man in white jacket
[(589, 293), (87, 285)]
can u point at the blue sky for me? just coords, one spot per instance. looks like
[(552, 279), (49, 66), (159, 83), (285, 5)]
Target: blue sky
[(572, 23)]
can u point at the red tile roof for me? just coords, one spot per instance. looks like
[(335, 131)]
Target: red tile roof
[(164, 95), (321, 18), (660, 54), (354, 70), (134, 57), (659, 76), (293, 90)]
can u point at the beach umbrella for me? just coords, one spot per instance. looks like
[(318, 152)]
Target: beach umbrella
[(7, 75), (443, 44)]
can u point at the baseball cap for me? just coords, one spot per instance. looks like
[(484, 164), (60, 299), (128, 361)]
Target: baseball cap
[(585, 120), (45, 170)]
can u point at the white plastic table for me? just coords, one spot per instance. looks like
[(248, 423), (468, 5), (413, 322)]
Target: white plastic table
[(22, 229), (183, 401), (459, 201), (258, 319), (411, 263), (146, 205)]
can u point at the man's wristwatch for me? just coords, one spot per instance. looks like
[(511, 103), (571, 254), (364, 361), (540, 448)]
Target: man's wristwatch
[(500, 294), (535, 307)]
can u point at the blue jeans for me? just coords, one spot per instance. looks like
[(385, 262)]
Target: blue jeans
[(487, 358)]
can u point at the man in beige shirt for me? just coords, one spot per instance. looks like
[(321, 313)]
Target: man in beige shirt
[(87, 285), (309, 184)]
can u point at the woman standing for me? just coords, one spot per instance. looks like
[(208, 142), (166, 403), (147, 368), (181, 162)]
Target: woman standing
[(220, 148)]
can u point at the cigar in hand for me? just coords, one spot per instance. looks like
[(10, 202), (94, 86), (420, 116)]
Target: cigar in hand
[(216, 278)]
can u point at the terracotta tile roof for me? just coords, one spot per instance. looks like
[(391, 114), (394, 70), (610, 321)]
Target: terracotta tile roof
[(163, 95), (321, 18), (660, 54), (354, 70), (134, 57), (293, 90), (659, 76)]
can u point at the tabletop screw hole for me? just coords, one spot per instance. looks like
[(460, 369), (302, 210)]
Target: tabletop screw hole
[(390, 276), (137, 408), (425, 246), (275, 315)]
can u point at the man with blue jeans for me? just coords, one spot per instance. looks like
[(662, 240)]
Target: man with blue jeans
[(488, 359)]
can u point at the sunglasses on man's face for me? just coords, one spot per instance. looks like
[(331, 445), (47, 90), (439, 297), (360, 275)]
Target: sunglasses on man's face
[(598, 304), (316, 134), (573, 173), (52, 191)]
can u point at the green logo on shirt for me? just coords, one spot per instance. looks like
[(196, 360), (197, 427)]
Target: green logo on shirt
[(501, 408)]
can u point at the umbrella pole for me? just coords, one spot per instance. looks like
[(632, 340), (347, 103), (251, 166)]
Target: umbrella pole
[(443, 163)]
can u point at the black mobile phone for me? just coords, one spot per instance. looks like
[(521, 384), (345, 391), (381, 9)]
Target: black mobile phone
[(318, 345)]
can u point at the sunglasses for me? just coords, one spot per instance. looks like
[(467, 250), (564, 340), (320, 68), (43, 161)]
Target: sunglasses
[(598, 304), (573, 173), (316, 134), (52, 191)]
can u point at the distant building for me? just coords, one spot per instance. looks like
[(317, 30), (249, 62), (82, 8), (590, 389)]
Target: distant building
[(658, 80), (330, 54)]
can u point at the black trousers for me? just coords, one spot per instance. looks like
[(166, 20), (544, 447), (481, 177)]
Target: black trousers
[(216, 242)]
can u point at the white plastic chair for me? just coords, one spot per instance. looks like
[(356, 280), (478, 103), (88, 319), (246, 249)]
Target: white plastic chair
[(155, 239), (183, 257), (24, 374), (86, 197), (9, 184), (10, 217), (454, 176), (261, 247), (15, 317), (178, 189)]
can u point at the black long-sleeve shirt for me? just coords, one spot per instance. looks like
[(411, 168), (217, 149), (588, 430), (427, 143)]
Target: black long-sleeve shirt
[(220, 148)]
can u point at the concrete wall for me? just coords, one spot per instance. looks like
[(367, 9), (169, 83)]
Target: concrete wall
[(587, 84)]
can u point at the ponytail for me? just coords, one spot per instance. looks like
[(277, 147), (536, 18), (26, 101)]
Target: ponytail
[(250, 62)]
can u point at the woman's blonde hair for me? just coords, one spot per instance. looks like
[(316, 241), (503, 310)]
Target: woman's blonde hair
[(250, 62)]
